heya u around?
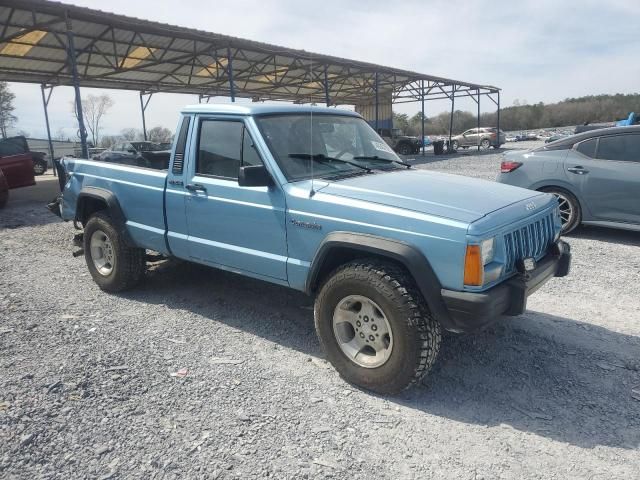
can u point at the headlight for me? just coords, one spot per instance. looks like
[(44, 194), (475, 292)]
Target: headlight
[(487, 250)]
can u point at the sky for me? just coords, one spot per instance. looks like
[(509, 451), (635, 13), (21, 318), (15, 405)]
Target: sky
[(534, 50)]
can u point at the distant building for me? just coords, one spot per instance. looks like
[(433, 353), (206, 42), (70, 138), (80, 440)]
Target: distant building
[(61, 148)]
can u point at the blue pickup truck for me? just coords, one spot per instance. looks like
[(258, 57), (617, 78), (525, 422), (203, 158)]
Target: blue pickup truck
[(313, 199)]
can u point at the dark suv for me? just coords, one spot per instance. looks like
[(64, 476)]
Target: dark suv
[(402, 144)]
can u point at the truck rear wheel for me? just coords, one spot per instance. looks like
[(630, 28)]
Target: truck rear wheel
[(113, 265), (375, 327)]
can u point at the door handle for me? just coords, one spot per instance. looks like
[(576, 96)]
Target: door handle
[(578, 170), (195, 187)]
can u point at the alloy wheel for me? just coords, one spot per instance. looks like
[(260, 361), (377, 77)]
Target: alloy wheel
[(362, 331), (102, 253)]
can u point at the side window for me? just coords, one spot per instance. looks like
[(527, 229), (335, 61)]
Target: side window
[(219, 148), (7, 148), (250, 155), (588, 148), (620, 147)]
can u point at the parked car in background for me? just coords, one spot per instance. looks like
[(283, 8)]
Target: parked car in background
[(484, 137), (17, 166), (401, 143), (166, 145), (595, 176), (554, 137), (140, 154), (313, 199), (13, 146)]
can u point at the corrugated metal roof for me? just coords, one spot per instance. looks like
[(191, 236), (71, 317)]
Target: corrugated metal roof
[(115, 51)]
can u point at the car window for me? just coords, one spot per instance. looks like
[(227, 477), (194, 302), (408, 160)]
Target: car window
[(9, 147), (250, 155), (587, 148), (219, 148), (620, 147)]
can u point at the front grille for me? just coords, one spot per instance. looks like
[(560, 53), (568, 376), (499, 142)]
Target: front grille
[(531, 240)]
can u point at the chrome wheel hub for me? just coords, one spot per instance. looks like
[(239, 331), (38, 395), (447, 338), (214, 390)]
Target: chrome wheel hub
[(101, 250), (566, 211), (362, 331)]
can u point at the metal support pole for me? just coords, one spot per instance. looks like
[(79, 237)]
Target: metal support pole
[(75, 80), (422, 91), (232, 88), (143, 109), (453, 102), (327, 100), (498, 126), (377, 121), (45, 104), (478, 90)]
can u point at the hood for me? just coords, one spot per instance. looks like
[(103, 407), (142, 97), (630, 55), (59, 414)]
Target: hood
[(455, 197)]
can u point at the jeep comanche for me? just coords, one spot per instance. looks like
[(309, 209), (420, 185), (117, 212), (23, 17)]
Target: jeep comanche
[(313, 199)]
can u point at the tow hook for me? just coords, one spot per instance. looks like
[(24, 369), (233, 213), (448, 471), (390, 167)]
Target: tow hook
[(78, 241)]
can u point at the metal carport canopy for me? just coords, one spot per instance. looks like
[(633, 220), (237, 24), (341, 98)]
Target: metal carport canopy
[(120, 52)]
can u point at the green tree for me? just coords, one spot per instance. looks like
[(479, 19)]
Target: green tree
[(7, 118)]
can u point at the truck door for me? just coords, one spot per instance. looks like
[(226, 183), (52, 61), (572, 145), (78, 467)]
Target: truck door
[(16, 162), (233, 227)]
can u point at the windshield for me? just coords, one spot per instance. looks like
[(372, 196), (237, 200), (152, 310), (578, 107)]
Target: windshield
[(304, 143)]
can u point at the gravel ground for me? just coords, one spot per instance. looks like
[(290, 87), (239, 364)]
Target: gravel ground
[(91, 384)]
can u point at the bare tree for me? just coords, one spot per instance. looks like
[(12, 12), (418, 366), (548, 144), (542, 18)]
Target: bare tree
[(159, 134), (130, 134), (94, 108), (7, 118)]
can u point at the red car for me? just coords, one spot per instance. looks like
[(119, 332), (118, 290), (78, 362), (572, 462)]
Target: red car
[(16, 166)]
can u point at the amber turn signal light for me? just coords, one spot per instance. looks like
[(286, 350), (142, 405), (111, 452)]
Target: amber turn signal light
[(473, 271)]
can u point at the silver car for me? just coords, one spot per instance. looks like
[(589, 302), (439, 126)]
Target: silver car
[(484, 137), (595, 176)]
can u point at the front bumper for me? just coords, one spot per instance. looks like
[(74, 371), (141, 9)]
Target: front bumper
[(469, 311)]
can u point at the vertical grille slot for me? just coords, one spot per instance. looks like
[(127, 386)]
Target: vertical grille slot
[(531, 240)]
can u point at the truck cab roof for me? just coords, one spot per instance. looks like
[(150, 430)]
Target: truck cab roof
[(262, 109)]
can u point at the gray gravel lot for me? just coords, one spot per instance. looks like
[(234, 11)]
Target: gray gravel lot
[(88, 385)]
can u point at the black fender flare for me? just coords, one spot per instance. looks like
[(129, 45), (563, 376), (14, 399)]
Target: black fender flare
[(113, 207), (407, 255)]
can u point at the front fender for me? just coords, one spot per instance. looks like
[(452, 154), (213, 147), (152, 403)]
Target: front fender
[(407, 255)]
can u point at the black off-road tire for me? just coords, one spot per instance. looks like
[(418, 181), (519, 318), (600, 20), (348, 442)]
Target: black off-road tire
[(416, 334), (129, 263), (405, 149)]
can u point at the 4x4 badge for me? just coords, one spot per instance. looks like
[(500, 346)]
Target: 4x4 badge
[(530, 206)]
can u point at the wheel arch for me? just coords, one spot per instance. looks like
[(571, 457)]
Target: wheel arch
[(94, 199), (541, 186), (339, 248)]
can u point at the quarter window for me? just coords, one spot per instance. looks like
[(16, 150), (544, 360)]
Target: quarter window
[(587, 148), (624, 148), (250, 155)]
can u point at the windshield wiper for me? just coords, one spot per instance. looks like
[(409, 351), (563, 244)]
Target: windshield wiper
[(375, 157), (321, 158)]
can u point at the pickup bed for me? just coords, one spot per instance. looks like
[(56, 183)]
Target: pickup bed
[(313, 199)]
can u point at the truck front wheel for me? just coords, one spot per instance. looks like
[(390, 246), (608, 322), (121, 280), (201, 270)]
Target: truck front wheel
[(113, 265), (375, 327)]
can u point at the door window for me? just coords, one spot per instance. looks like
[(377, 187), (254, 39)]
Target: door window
[(624, 148), (219, 148), (588, 148)]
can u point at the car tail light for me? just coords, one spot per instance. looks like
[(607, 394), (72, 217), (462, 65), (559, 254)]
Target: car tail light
[(493, 135), (507, 166), (473, 268)]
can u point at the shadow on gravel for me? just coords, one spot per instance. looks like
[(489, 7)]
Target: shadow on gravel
[(26, 215), (549, 376), (611, 235)]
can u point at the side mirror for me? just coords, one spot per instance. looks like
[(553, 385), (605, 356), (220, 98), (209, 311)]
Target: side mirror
[(131, 150), (254, 176)]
